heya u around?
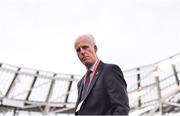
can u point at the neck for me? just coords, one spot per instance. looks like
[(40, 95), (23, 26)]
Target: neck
[(89, 66)]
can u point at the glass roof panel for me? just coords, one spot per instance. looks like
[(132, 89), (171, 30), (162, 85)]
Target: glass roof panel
[(40, 89), (59, 91), (73, 92), (21, 87), (5, 80)]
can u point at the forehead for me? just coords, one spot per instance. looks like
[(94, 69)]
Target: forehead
[(82, 41)]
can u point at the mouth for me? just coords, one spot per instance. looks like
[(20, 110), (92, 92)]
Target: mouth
[(85, 58)]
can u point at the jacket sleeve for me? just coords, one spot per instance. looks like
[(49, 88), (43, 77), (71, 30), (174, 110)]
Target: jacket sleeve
[(117, 90)]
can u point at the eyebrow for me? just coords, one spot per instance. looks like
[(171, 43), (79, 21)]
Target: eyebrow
[(83, 47)]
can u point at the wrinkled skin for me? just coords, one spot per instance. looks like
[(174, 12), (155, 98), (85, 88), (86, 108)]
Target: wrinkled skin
[(86, 50)]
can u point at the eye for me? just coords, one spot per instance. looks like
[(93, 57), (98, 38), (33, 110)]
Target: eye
[(78, 50), (85, 47), (82, 48)]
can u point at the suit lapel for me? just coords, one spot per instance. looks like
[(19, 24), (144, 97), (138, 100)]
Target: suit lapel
[(97, 74)]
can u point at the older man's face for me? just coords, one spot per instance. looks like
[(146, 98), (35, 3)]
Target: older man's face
[(86, 51)]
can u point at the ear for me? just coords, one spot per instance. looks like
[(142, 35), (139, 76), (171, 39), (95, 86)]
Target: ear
[(95, 47)]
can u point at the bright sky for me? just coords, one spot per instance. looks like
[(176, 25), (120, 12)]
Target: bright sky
[(40, 34)]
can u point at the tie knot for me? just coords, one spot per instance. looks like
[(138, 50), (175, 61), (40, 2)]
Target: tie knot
[(89, 71)]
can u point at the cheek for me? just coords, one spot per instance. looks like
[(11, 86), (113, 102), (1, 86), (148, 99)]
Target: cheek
[(79, 56), (92, 54)]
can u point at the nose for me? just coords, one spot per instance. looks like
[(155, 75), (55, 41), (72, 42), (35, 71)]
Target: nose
[(82, 51)]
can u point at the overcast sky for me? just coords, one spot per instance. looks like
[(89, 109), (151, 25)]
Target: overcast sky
[(40, 34)]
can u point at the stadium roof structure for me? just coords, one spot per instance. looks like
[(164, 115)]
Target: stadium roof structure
[(153, 88), (34, 90)]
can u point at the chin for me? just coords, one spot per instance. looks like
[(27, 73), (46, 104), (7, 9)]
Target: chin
[(87, 63)]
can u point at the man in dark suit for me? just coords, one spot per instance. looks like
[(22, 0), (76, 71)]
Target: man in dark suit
[(103, 89)]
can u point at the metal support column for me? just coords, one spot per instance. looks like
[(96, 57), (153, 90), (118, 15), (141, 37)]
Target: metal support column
[(139, 86), (69, 89), (12, 83), (47, 107), (32, 85), (175, 73), (159, 94)]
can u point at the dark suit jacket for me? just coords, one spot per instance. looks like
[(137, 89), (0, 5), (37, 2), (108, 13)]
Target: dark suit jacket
[(107, 94)]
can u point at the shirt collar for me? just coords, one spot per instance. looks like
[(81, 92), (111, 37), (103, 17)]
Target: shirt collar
[(92, 67)]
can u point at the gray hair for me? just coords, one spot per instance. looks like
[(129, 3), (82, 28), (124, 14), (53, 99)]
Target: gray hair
[(91, 38)]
